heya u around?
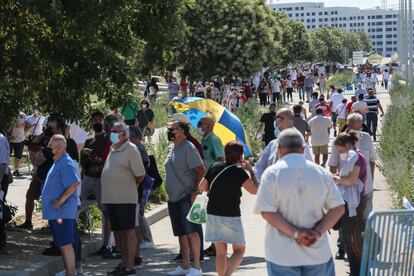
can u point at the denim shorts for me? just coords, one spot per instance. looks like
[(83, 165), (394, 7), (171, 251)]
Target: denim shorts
[(326, 269), (178, 212), (224, 229)]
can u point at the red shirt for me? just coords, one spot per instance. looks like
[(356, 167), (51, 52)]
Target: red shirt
[(325, 107), (301, 80), (349, 106)]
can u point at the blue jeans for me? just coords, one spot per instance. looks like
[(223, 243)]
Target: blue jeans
[(326, 269), (301, 91)]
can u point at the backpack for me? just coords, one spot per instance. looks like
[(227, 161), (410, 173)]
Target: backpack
[(154, 173)]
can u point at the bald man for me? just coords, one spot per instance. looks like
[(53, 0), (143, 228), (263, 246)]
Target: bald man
[(60, 202)]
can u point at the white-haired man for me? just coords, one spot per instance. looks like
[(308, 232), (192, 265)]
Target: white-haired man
[(293, 197), (123, 171)]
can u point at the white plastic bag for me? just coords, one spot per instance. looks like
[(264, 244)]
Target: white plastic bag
[(198, 210)]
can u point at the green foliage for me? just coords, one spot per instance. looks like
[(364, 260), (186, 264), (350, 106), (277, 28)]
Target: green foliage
[(341, 79), (250, 116), (328, 43), (160, 151), (227, 38), (396, 145), (295, 40), (90, 219)]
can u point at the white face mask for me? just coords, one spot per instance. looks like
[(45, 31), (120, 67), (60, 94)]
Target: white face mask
[(144, 106), (343, 156), (200, 131)]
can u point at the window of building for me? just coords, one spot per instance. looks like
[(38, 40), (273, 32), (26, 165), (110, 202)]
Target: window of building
[(302, 8), (296, 15), (320, 19), (313, 13), (362, 17), (325, 13), (288, 9), (302, 20), (289, 15), (369, 23), (378, 16), (340, 25), (388, 42), (388, 16), (388, 29), (325, 19), (379, 29), (302, 14), (394, 16), (308, 26), (313, 19), (388, 22), (395, 42), (308, 20), (313, 26), (379, 23), (296, 8), (388, 49), (345, 25), (379, 36), (320, 13), (379, 42), (308, 14), (388, 36), (369, 17)]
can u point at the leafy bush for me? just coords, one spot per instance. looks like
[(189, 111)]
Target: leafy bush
[(90, 219), (397, 143), (341, 79)]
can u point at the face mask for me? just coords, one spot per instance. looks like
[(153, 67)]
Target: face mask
[(343, 156), (144, 106), (359, 133), (277, 130), (98, 127), (114, 137), (48, 132), (200, 131), (170, 135)]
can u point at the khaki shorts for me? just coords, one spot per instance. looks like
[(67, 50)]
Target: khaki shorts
[(318, 150)]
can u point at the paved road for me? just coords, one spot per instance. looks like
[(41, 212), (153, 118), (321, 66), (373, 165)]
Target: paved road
[(157, 261)]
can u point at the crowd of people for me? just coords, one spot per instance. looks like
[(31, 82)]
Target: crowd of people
[(299, 196)]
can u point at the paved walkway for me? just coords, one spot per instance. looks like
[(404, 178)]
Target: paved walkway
[(157, 261)]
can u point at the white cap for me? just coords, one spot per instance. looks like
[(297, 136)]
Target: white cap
[(180, 117)]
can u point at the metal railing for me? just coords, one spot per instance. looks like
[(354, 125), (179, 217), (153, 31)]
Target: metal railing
[(388, 244)]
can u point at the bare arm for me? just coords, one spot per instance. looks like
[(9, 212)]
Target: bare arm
[(330, 219), (203, 186), (200, 175), (66, 194), (139, 179), (381, 109), (261, 126), (349, 180), (251, 185), (372, 165)]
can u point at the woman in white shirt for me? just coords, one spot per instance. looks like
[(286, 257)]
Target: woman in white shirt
[(342, 114)]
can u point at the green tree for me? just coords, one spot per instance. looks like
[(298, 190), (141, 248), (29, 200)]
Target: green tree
[(295, 40), (228, 38)]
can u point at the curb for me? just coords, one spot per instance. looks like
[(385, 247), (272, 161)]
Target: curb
[(55, 264)]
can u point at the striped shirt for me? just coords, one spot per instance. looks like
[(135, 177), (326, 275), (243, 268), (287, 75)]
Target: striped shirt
[(372, 102)]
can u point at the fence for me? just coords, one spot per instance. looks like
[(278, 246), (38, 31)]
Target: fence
[(388, 244)]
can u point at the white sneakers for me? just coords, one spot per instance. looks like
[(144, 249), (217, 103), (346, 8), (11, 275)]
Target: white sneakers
[(187, 272)]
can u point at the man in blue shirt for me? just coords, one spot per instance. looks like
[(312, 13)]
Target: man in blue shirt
[(59, 202), (4, 171)]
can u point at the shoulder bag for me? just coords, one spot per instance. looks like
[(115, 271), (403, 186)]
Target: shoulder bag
[(198, 210)]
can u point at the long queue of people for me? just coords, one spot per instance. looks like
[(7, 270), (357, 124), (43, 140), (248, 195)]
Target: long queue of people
[(299, 199)]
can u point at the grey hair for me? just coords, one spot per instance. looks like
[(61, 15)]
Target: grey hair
[(354, 117), (291, 138), (123, 127), (58, 139)]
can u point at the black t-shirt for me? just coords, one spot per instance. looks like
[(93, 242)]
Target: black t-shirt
[(144, 117), (269, 129), (43, 169), (224, 195), (97, 145)]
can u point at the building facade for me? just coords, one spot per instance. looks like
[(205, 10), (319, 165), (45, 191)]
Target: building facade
[(380, 24)]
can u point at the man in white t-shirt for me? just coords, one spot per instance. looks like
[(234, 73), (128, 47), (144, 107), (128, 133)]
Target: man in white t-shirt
[(360, 106), (341, 114), (300, 202), (35, 123), (276, 88), (336, 99), (320, 126)]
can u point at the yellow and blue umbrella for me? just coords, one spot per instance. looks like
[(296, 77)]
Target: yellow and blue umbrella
[(227, 127)]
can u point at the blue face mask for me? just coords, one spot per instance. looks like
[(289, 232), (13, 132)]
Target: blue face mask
[(277, 130), (114, 137)]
